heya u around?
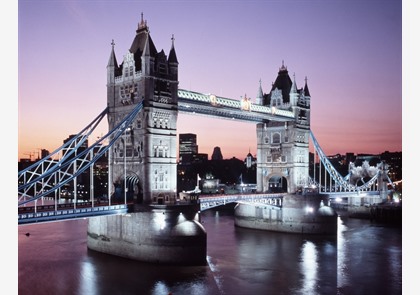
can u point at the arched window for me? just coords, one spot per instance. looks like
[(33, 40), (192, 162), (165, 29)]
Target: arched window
[(276, 138)]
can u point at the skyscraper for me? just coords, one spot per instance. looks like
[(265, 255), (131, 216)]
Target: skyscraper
[(188, 148)]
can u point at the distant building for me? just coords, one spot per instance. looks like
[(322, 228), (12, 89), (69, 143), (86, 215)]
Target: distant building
[(217, 154), (82, 147), (250, 160), (201, 158), (188, 148)]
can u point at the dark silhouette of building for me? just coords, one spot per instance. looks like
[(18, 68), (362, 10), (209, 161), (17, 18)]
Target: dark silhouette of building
[(188, 148), (217, 154)]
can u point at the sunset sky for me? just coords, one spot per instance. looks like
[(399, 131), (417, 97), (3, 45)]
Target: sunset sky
[(350, 51), (360, 57)]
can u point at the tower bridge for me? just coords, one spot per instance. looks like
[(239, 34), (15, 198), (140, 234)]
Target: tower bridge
[(143, 103)]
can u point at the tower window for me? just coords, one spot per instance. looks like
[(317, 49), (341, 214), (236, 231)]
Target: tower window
[(276, 138)]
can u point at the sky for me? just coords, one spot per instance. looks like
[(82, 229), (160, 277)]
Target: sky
[(350, 52), (360, 58)]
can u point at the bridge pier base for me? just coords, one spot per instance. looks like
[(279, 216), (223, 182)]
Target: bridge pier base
[(304, 214), (158, 234)]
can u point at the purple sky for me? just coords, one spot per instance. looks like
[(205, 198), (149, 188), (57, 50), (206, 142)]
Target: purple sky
[(350, 51)]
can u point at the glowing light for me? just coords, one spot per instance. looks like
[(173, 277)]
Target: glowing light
[(309, 209), (181, 218), (160, 220)]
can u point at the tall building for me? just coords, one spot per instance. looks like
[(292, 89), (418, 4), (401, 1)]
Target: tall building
[(188, 148), (282, 147), (144, 159)]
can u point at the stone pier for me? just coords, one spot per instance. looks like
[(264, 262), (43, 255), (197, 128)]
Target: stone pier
[(305, 214), (160, 234)]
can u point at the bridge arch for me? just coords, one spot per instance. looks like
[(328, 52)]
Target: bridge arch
[(277, 183), (131, 184)]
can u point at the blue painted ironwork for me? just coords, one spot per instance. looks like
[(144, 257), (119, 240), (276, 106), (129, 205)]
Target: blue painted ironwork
[(343, 182), (70, 213), (58, 172)]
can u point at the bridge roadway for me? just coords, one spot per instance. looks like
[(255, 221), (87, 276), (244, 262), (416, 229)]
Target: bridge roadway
[(50, 211), (66, 211), (84, 209)]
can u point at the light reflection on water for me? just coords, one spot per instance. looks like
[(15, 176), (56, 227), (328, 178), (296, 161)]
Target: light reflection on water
[(341, 255), (309, 267), (362, 259)]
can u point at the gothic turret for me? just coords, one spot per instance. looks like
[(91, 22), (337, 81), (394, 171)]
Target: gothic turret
[(173, 61), (294, 94), (259, 99), (112, 65), (282, 83), (306, 90), (307, 94), (142, 41)]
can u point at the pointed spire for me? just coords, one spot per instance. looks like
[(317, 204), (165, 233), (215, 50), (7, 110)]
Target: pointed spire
[(283, 68), (306, 89), (112, 62), (260, 96), (142, 24), (172, 55)]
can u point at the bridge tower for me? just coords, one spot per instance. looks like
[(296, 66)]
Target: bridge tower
[(283, 147), (142, 163)]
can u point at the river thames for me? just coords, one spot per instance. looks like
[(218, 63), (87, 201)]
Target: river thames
[(364, 258)]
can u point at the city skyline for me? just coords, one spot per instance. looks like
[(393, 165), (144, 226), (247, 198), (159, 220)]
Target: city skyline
[(351, 54)]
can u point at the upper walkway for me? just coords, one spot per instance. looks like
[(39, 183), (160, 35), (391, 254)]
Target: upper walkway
[(222, 107)]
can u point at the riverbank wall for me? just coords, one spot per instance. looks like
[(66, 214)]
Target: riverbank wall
[(157, 234)]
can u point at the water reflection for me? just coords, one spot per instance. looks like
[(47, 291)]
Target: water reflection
[(362, 259), (342, 255), (309, 267), (88, 279)]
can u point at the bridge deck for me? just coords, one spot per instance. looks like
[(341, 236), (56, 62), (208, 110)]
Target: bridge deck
[(28, 215)]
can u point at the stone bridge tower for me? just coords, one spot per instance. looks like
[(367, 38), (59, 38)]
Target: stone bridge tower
[(142, 163), (283, 147)]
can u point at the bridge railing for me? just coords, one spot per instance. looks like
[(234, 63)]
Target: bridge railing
[(211, 201), (66, 213)]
